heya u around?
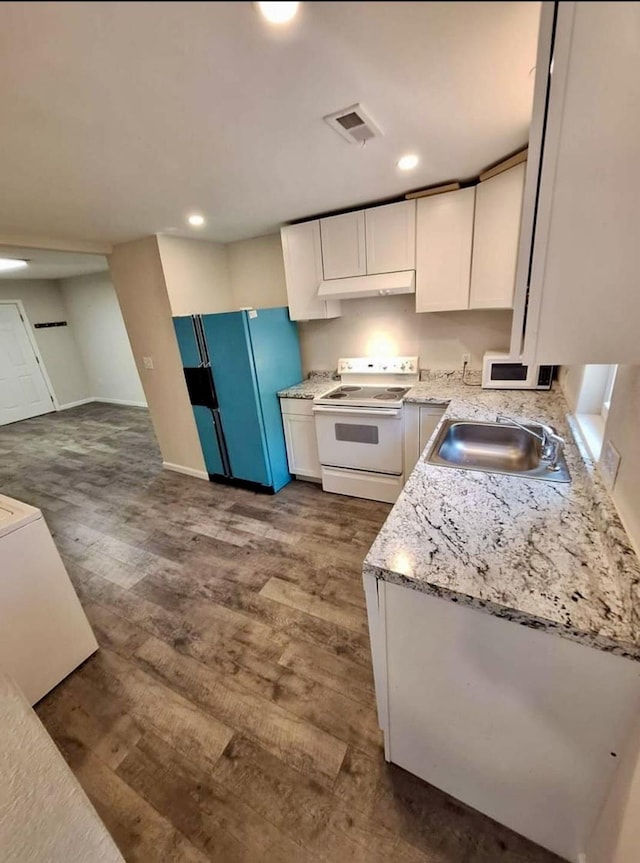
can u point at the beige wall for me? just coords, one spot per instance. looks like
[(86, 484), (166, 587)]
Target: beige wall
[(390, 325), (138, 278), (58, 347), (256, 268), (96, 318), (196, 274), (205, 278)]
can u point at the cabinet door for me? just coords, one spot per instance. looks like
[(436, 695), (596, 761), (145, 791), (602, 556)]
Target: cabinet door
[(420, 422), (444, 238), (495, 239), (584, 302), (303, 273), (343, 246), (391, 237), (429, 419), (302, 447)]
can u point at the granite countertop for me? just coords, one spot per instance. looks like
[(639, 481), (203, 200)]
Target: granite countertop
[(551, 556), (317, 384)]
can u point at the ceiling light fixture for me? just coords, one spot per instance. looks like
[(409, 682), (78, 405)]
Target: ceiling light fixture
[(408, 163), (278, 13), (12, 264), (196, 220)]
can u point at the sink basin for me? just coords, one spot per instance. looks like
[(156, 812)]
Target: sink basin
[(493, 448)]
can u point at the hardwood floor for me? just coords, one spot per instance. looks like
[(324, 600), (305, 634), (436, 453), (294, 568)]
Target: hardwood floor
[(229, 714)]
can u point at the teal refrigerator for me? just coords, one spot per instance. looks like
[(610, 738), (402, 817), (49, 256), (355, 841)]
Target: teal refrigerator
[(234, 364)]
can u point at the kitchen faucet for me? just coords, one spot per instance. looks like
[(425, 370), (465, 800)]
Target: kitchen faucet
[(552, 443)]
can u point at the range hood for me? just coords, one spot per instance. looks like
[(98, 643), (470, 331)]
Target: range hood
[(381, 285)]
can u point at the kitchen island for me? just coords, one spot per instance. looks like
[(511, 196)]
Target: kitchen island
[(505, 628)]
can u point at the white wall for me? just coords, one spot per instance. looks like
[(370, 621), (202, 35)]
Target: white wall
[(196, 273), (43, 302), (623, 430), (616, 838), (256, 269), (97, 322), (390, 325)]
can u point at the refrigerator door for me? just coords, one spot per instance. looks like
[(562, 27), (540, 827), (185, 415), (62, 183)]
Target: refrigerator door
[(201, 394), (276, 355), (229, 348), (206, 425)]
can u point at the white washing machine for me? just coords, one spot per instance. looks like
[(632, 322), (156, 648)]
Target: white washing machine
[(44, 633)]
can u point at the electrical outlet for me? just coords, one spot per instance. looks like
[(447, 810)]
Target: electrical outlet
[(609, 464), (466, 359), (147, 362)]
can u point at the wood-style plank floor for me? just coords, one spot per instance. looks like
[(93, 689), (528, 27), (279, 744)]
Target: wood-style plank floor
[(229, 714)]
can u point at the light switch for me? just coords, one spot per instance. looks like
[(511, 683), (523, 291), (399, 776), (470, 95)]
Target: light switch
[(147, 362), (609, 464)]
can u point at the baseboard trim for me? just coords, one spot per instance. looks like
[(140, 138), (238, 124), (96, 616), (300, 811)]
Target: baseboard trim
[(77, 404), (124, 402), (189, 471)]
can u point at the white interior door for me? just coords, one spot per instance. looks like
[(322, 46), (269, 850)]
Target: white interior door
[(23, 390)]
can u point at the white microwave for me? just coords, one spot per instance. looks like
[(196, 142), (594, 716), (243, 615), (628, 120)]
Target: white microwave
[(501, 372)]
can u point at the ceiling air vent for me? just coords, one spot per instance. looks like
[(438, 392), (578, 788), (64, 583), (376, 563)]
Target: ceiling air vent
[(353, 124)]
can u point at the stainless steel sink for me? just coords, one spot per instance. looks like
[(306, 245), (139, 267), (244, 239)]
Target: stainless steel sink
[(493, 448)]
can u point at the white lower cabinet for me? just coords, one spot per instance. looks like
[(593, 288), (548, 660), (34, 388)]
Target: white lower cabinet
[(527, 727), (420, 422), (300, 438)]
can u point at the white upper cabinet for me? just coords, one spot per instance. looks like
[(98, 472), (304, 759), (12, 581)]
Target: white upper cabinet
[(584, 300), (343, 246), (391, 237), (303, 273), (444, 237), (495, 239)]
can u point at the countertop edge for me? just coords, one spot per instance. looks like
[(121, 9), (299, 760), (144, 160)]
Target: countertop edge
[(504, 612)]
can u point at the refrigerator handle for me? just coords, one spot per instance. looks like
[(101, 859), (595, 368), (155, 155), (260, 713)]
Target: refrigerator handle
[(222, 444), (201, 341)]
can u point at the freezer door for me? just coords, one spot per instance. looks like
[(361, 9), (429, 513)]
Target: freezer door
[(229, 349), (276, 355), (187, 342)]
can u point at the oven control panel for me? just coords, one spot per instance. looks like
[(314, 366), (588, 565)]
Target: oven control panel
[(378, 366)]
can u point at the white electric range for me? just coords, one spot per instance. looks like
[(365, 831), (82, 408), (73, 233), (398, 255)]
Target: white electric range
[(360, 427)]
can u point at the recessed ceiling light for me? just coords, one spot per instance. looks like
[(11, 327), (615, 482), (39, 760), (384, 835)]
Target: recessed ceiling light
[(196, 220), (12, 264), (408, 163), (278, 13)]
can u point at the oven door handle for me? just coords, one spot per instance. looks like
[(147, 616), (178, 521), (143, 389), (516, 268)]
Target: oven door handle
[(359, 412)]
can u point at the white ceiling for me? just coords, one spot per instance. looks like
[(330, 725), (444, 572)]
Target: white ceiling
[(121, 118), (51, 265)]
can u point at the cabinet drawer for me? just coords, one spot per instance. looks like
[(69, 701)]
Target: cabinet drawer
[(300, 407)]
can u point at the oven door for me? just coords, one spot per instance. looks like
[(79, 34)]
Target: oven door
[(360, 438)]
